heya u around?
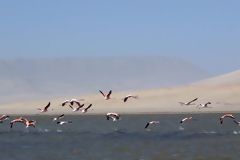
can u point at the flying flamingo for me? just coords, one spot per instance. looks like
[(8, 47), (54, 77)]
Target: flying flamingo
[(17, 120), (151, 123), (113, 116), (185, 119), (86, 109), (200, 106), (63, 122), (45, 109), (71, 102), (106, 97), (29, 123), (65, 102), (58, 117), (226, 116), (3, 118), (129, 96)]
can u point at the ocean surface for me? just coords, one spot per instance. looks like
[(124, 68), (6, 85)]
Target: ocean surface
[(92, 137)]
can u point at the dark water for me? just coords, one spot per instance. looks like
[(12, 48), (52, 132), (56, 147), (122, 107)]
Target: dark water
[(93, 137)]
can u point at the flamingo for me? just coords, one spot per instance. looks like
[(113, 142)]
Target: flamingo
[(200, 106), (72, 101), (189, 103), (185, 119), (63, 122), (151, 123), (45, 109), (65, 102), (129, 96), (86, 109), (106, 97), (29, 123), (3, 118), (226, 116), (58, 117), (113, 116), (17, 120)]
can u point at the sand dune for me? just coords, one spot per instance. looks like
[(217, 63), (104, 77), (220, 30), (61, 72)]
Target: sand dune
[(24, 79), (222, 91), (230, 79)]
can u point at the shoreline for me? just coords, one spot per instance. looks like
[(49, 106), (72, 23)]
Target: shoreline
[(137, 114)]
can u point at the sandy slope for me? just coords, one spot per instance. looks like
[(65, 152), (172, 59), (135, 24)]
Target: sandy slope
[(222, 91), (40, 78)]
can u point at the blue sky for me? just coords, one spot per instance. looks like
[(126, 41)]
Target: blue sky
[(204, 32)]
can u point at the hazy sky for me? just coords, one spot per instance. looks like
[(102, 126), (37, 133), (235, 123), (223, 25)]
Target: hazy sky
[(204, 32)]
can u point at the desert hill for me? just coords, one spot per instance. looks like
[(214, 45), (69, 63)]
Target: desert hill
[(223, 91), (24, 79)]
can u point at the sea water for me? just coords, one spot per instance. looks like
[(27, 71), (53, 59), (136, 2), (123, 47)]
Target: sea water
[(92, 137)]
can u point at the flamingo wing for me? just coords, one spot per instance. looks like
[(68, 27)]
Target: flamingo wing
[(89, 106), (102, 93), (61, 116), (47, 106), (64, 103), (192, 101), (109, 93), (147, 125), (79, 105), (70, 106), (125, 99)]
